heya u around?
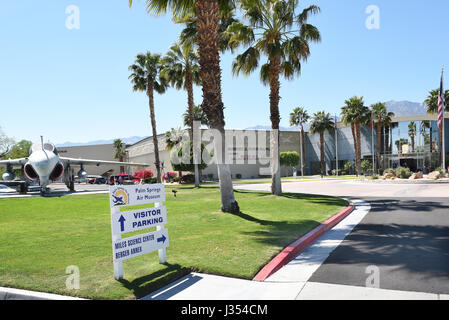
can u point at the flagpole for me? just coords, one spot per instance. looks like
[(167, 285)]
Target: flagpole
[(372, 138), (336, 146), (443, 149), (301, 128)]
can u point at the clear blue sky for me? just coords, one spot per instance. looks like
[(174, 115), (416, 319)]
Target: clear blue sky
[(72, 85)]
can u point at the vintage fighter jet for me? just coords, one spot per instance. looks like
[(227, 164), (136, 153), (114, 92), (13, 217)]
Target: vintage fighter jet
[(44, 165)]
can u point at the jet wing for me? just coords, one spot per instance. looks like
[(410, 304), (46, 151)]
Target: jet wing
[(97, 163), (14, 162)]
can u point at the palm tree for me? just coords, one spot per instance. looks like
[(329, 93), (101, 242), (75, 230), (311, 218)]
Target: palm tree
[(198, 115), (119, 152), (298, 117), (356, 114), (321, 122), (207, 15), (145, 76), (383, 119), (431, 104), (173, 138), (399, 143), (275, 30), (412, 134), (181, 70)]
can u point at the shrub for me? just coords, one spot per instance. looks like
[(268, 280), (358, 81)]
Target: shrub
[(289, 158), (238, 176), (210, 176), (403, 173), (389, 170), (366, 165), (349, 167), (150, 180), (188, 178)]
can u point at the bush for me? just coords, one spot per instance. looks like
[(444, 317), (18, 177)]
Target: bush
[(210, 176), (349, 167), (188, 178), (238, 176), (403, 173), (389, 170), (150, 180), (366, 165), (289, 158)]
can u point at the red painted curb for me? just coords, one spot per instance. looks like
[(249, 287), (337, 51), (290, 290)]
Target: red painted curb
[(296, 247)]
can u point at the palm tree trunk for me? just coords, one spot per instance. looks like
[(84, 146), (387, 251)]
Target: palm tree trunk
[(323, 163), (304, 148), (359, 148), (153, 125), (379, 142), (276, 187), (354, 137), (190, 102), (210, 73)]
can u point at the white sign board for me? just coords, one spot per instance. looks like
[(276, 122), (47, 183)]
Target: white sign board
[(135, 220), (141, 244), (129, 195), (129, 221)]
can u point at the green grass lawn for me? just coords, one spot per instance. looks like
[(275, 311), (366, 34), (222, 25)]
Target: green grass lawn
[(41, 237)]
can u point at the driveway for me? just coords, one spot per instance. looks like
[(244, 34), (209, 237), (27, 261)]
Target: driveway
[(402, 243)]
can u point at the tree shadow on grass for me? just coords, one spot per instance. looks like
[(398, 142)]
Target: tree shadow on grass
[(144, 285), (321, 199)]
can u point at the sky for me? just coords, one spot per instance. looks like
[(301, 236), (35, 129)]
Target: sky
[(71, 84)]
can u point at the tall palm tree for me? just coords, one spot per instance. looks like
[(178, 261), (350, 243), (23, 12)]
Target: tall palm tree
[(356, 114), (207, 15), (181, 70), (320, 123), (145, 76), (275, 30), (383, 119), (299, 116), (412, 134), (119, 152)]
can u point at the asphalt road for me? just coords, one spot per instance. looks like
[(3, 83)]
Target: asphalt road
[(405, 241)]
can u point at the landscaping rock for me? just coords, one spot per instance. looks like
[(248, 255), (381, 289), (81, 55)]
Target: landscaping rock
[(389, 175), (434, 175), (415, 176)]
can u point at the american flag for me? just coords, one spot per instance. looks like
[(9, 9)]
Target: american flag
[(441, 103)]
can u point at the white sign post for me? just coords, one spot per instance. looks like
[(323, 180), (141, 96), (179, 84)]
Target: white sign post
[(135, 220)]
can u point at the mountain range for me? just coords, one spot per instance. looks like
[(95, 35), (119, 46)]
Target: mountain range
[(400, 109)]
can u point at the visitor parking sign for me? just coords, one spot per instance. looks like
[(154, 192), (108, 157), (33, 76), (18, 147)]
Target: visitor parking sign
[(135, 220)]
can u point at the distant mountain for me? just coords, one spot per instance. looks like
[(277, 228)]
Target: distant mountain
[(406, 108), (129, 140)]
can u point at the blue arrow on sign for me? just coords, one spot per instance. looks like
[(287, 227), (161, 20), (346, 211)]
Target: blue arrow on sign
[(122, 223), (162, 239)]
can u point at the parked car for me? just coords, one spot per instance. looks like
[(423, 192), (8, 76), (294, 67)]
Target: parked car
[(6, 189), (100, 180)]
